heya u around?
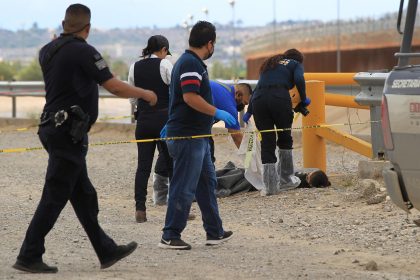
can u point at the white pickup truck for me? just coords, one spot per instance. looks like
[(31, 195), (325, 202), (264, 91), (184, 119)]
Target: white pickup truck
[(401, 122)]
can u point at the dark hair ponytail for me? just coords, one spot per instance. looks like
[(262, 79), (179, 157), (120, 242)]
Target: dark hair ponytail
[(154, 44), (146, 51), (294, 54), (271, 62)]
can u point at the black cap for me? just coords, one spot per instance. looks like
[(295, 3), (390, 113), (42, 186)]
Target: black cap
[(157, 42)]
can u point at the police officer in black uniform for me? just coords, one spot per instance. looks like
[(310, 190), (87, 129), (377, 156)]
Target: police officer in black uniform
[(272, 107), (72, 69)]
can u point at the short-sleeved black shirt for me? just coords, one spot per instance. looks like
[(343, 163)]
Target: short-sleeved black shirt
[(189, 75), (72, 76)]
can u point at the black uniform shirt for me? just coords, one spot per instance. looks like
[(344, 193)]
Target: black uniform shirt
[(72, 75)]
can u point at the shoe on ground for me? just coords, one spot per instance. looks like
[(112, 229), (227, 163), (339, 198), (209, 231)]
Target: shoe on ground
[(141, 216), (191, 217), (217, 240), (36, 267), (174, 244), (121, 252)]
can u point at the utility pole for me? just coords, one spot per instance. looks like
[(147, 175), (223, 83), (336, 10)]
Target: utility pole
[(234, 74), (274, 26), (338, 38)]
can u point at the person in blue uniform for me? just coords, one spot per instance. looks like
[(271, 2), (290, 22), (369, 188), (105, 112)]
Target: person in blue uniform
[(72, 70), (191, 112), (231, 99), (272, 108), (152, 72)]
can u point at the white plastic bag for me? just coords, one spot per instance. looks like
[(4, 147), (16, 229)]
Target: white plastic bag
[(251, 149)]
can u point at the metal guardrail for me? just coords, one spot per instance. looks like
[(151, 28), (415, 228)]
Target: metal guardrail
[(372, 87), (338, 89), (32, 89), (335, 83), (368, 87)]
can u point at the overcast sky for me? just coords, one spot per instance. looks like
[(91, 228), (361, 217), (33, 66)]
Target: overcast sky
[(18, 14)]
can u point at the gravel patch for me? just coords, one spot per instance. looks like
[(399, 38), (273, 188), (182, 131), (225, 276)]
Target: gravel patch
[(331, 233)]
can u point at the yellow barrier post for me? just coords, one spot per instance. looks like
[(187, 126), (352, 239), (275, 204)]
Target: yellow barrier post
[(314, 147)]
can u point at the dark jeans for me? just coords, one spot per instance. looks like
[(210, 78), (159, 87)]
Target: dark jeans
[(211, 143), (149, 125), (273, 108), (194, 176), (66, 179)]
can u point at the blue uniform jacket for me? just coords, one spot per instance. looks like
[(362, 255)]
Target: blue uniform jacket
[(224, 99)]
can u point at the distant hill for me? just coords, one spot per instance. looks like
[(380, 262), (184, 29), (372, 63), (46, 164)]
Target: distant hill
[(127, 44), (124, 44)]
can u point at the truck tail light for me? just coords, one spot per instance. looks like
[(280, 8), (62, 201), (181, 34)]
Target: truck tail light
[(386, 127)]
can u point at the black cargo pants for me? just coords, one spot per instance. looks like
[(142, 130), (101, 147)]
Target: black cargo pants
[(273, 109), (149, 125), (66, 179)]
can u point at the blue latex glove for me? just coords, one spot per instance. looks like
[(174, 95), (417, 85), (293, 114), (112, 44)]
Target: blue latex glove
[(225, 116), (246, 117), (306, 102), (163, 132)]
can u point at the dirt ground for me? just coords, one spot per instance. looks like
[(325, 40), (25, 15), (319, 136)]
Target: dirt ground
[(330, 233)]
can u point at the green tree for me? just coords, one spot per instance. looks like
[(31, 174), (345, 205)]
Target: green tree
[(6, 71), (223, 71), (32, 72), (16, 67), (220, 71), (106, 57), (120, 69)]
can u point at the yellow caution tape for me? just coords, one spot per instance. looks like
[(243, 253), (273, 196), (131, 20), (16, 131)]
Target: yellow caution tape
[(258, 132), (19, 150)]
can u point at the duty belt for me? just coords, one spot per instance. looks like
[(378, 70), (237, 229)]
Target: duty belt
[(57, 118), (79, 123)]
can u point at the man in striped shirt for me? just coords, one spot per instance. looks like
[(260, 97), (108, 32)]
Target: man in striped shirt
[(191, 112)]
